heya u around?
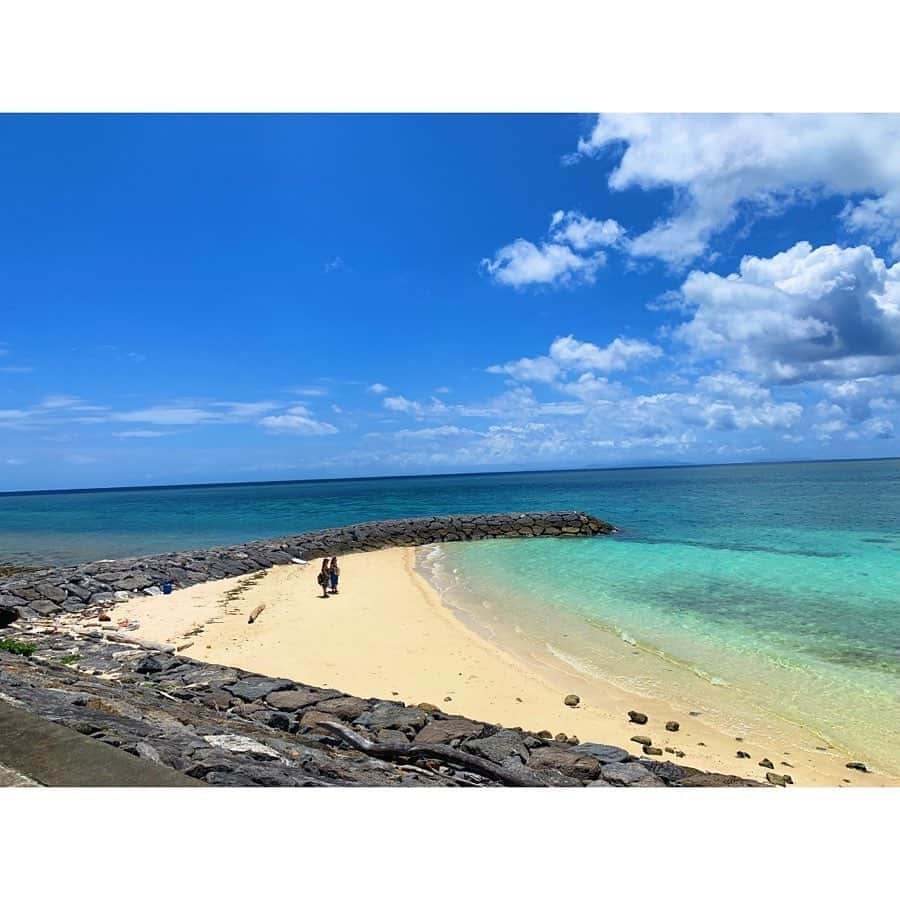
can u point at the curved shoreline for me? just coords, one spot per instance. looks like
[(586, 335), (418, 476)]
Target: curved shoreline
[(390, 634)]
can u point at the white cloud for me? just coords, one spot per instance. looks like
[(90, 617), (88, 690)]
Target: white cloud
[(801, 315), (620, 354), (539, 368), (521, 263), (567, 353), (60, 401), (582, 232), (309, 391), (141, 433), (378, 388), (718, 164), (569, 256), (336, 264), (297, 420)]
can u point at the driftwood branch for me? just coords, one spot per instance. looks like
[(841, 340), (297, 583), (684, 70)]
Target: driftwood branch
[(433, 751), (117, 638), (255, 614)]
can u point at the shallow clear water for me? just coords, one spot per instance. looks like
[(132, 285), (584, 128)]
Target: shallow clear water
[(782, 581)]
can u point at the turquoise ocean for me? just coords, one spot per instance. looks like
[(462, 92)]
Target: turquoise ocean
[(778, 582)]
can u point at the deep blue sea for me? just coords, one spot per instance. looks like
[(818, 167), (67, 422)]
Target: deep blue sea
[(780, 580)]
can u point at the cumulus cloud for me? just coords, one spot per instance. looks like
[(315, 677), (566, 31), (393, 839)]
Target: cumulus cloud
[(717, 165), (801, 315), (378, 388), (569, 256), (522, 263), (567, 353), (297, 420)]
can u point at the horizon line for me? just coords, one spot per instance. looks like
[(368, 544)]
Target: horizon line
[(213, 484)]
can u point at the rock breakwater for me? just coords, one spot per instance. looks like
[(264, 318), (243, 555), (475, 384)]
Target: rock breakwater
[(49, 592)]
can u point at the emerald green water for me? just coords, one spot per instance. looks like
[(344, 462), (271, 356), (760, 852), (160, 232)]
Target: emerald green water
[(778, 583)]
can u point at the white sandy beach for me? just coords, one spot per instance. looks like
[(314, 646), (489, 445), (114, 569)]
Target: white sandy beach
[(387, 634)]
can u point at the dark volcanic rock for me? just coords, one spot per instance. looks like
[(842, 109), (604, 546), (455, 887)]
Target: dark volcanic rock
[(605, 753), (779, 780), (637, 717), (642, 739), (672, 726), (572, 700), (627, 774), (442, 731), (255, 687), (653, 751), (297, 698), (569, 762), (499, 747), (766, 764), (712, 779), (345, 709), (860, 767), (392, 715)]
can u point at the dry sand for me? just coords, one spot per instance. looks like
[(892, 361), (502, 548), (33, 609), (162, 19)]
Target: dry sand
[(387, 634)]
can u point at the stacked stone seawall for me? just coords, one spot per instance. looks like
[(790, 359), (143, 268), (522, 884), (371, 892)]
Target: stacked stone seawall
[(49, 592)]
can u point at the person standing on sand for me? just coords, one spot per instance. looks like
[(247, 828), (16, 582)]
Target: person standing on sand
[(324, 577), (334, 571)]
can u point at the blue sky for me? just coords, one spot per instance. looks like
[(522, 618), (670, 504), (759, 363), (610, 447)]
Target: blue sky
[(214, 298)]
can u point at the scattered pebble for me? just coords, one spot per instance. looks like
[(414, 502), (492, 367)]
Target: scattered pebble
[(860, 767), (637, 717), (672, 726), (572, 700), (766, 763), (743, 754), (642, 739), (448, 699), (562, 737), (694, 712), (652, 751)]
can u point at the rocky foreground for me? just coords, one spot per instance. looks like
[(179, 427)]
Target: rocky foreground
[(223, 726)]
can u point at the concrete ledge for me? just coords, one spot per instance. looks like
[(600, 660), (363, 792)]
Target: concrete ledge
[(50, 754)]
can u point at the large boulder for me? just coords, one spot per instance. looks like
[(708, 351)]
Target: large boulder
[(298, 697), (391, 715), (569, 762), (499, 747), (605, 753), (255, 687), (442, 731), (629, 774)]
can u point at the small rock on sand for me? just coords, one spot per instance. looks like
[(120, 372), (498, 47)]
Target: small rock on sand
[(637, 717), (743, 754), (672, 726), (572, 700), (643, 740), (766, 763), (860, 767), (779, 780), (652, 751)]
